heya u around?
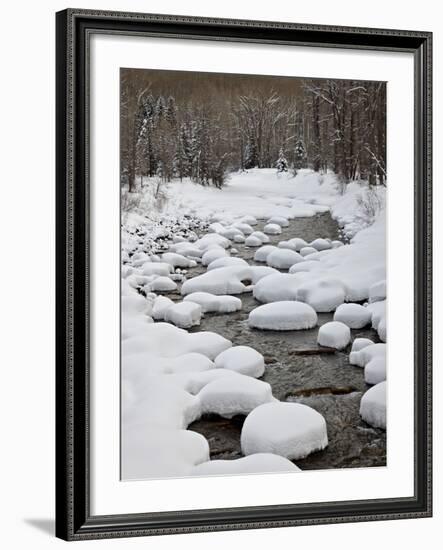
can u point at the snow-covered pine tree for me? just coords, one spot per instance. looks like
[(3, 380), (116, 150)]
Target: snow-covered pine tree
[(250, 155), (299, 155), (281, 164)]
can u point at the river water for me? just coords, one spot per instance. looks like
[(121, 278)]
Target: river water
[(299, 371)]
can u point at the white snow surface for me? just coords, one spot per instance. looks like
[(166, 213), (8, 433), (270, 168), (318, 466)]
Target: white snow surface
[(257, 463), (359, 343), (362, 357), (282, 258), (375, 370), (334, 335), (373, 406), (291, 430), (272, 229), (242, 359), (323, 294), (284, 315), (261, 255), (184, 314)]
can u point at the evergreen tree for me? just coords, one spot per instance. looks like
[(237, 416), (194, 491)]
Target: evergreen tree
[(282, 163), (299, 155), (251, 159)]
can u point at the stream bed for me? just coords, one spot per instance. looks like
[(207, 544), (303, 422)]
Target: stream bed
[(298, 371)]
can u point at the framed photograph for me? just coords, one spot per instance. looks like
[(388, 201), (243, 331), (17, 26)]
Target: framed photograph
[(243, 274)]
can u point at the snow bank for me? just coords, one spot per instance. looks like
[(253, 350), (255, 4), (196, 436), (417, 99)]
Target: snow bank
[(353, 315), (282, 258), (373, 406), (284, 315), (242, 359), (291, 430), (229, 396), (212, 303), (258, 463), (334, 335)]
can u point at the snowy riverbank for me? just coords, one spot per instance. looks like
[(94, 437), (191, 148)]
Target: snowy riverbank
[(172, 376)]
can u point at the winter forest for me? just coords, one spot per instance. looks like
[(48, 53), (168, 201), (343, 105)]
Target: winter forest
[(174, 128), (253, 274)]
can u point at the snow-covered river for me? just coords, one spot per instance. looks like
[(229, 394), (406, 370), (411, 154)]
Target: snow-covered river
[(298, 370)]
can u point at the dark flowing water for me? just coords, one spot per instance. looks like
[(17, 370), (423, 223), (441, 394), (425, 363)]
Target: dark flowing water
[(299, 372)]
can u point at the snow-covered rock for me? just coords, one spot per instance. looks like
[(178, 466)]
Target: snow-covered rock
[(211, 239), (272, 229), (382, 329), (229, 396), (239, 239), (226, 261), (253, 241), (160, 306), (353, 315), (184, 314), (321, 244), (258, 463), (375, 370), (377, 291), (162, 284), (279, 220), (336, 244), (322, 294), (359, 343), (373, 406), (283, 258), (298, 243), (260, 235), (225, 280), (259, 272), (177, 260), (187, 249), (278, 287), (306, 265), (334, 335), (245, 228), (263, 252), (212, 303), (156, 268), (307, 250), (178, 239), (241, 359), (230, 232), (362, 357), (212, 254), (291, 430), (251, 220), (286, 315)]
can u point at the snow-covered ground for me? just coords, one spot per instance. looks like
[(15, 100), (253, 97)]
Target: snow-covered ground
[(172, 375)]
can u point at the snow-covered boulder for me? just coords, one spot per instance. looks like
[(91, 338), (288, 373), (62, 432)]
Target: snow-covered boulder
[(162, 284), (336, 244), (282, 258), (241, 359), (378, 312), (362, 357), (279, 220), (230, 232), (211, 239), (375, 370), (239, 239), (229, 396), (187, 249), (377, 292), (286, 315), (359, 343), (373, 406), (245, 228), (184, 314), (334, 335), (298, 243), (260, 235), (259, 272), (382, 329), (178, 239), (225, 280), (212, 303), (213, 253), (263, 252), (253, 241), (322, 294), (287, 245), (257, 463), (226, 261), (272, 229), (156, 268), (278, 287), (160, 306), (353, 315), (251, 220), (307, 250), (177, 260), (321, 244), (291, 430)]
